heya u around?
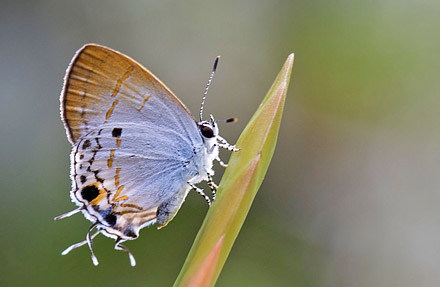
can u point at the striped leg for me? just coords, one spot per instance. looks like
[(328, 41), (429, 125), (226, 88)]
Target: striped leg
[(222, 164), (224, 144), (200, 191), (212, 186)]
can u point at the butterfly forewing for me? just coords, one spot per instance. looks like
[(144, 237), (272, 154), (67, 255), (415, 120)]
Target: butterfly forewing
[(103, 86)]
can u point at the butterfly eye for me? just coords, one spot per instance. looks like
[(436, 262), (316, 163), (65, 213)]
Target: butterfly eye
[(207, 132)]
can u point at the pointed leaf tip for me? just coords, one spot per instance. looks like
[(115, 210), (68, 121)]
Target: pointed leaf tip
[(238, 187)]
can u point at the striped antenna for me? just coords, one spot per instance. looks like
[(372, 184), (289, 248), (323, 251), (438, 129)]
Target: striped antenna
[(231, 120), (207, 86)]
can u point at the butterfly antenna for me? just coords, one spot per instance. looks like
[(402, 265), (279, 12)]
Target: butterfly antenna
[(231, 120), (207, 86)]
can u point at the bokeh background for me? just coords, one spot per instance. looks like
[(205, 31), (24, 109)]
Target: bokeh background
[(352, 195)]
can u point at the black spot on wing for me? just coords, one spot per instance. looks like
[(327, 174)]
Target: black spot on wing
[(129, 232), (110, 218), (99, 145), (162, 211), (99, 179), (92, 158), (116, 132), (83, 179), (86, 144), (89, 192)]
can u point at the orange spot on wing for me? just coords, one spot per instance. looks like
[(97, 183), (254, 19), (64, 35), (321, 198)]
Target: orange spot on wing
[(143, 103), (118, 142), (121, 80), (110, 111), (110, 160), (98, 199), (148, 214), (115, 197), (128, 211), (121, 198), (117, 176), (130, 205), (120, 188), (101, 196)]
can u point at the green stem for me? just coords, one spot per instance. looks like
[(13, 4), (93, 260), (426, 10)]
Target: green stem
[(237, 188)]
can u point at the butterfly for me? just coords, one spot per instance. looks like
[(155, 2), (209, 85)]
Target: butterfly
[(136, 149)]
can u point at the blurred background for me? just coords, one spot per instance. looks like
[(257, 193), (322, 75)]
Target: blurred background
[(351, 197)]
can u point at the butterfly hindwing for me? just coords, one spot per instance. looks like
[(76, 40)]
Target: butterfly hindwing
[(119, 173)]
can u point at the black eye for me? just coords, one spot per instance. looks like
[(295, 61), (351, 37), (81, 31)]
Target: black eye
[(207, 132)]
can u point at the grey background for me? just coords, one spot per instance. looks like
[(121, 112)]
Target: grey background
[(351, 197)]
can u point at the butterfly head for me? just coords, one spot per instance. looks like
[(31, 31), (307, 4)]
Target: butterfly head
[(208, 130)]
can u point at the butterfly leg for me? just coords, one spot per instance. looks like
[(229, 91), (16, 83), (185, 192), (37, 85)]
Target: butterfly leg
[(222, 164), (224, 144), (200, 191), (118, 246), (212, 186)]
